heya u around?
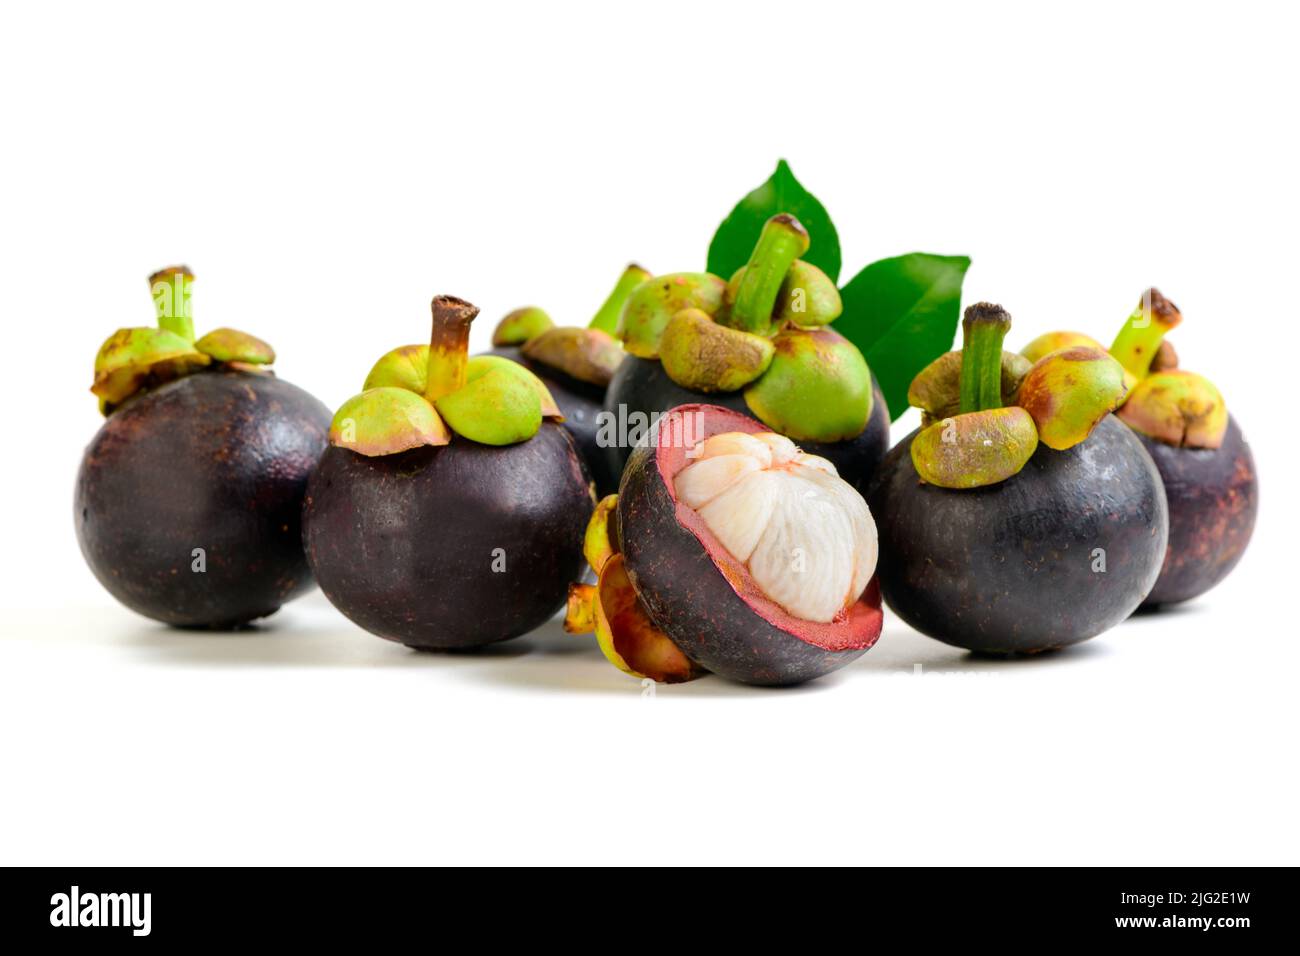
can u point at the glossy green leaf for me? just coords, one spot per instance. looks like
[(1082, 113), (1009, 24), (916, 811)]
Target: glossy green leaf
[(902, 314), (735, 238)]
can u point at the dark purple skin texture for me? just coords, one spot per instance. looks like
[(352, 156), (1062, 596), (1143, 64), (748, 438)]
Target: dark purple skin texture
[(215, 460), (1008, 568), (689, 600), (581, 404), (404, 544), (643, 386), (1213, 498)]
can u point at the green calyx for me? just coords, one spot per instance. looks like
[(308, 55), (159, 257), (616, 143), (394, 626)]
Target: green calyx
[(936, 390), (385, 421), (132, 360), (1067, 393), (700, 354), (654, 302), (407, 366), (589, 355), (521, 325), (1178, 408), (975, 449), (807, 297), (1164, 402), (1139, 339), (782, 241), (417, 395), (1050, 342), (817, 387), (985, 442), (1058, 400), (231, 345)]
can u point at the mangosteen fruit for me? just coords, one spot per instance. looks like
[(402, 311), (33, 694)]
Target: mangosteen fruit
[(188, 502), (760, 344), (729, 550), (448, 511), (576, 365), (1204, 461), (1016, 528)]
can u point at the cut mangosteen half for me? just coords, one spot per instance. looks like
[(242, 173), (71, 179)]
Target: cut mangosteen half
[(754, 559)]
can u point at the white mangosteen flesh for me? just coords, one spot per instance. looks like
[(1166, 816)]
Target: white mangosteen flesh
[(804, 533)]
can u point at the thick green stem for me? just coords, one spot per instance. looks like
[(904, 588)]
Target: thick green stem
[(782, 241), (448, 346), (983, 328), (170, 289), (1138, 341), (607, 318)]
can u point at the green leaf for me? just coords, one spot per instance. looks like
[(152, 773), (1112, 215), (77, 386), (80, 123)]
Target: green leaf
[(902, 314), (735, 238)]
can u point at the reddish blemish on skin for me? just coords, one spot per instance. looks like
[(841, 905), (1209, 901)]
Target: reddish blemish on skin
[(855, 628)]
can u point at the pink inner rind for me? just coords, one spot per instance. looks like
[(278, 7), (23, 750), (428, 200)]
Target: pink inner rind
[(853, 629)]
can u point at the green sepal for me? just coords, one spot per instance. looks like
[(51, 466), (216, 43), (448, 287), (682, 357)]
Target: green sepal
[(655, 301), (496, 406), (1069, 392), (521, 325), (1177, 408), (231, 345), (975, 449), (588, 355), (817, 387), (1050, 342), (700, 354), (936, 390), (406, 367), (131, 357), (386, 421)]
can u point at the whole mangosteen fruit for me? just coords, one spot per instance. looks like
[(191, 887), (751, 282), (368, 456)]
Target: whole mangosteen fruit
[(729, 550), (188, 502), (759, 344), (1205, 464), (448, 511), (1018, 528), (576, 365)]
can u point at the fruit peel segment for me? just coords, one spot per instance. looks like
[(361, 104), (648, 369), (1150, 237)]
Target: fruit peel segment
[(626, 635)]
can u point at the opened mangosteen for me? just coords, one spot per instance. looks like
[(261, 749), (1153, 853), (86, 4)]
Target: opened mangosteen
[(1204, 461), (576, 364), (189, 498), (760, 344), (448, 511), (729, 550), (1022, 516)]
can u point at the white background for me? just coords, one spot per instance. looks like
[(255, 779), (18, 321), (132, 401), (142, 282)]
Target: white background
[(325, 172)]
